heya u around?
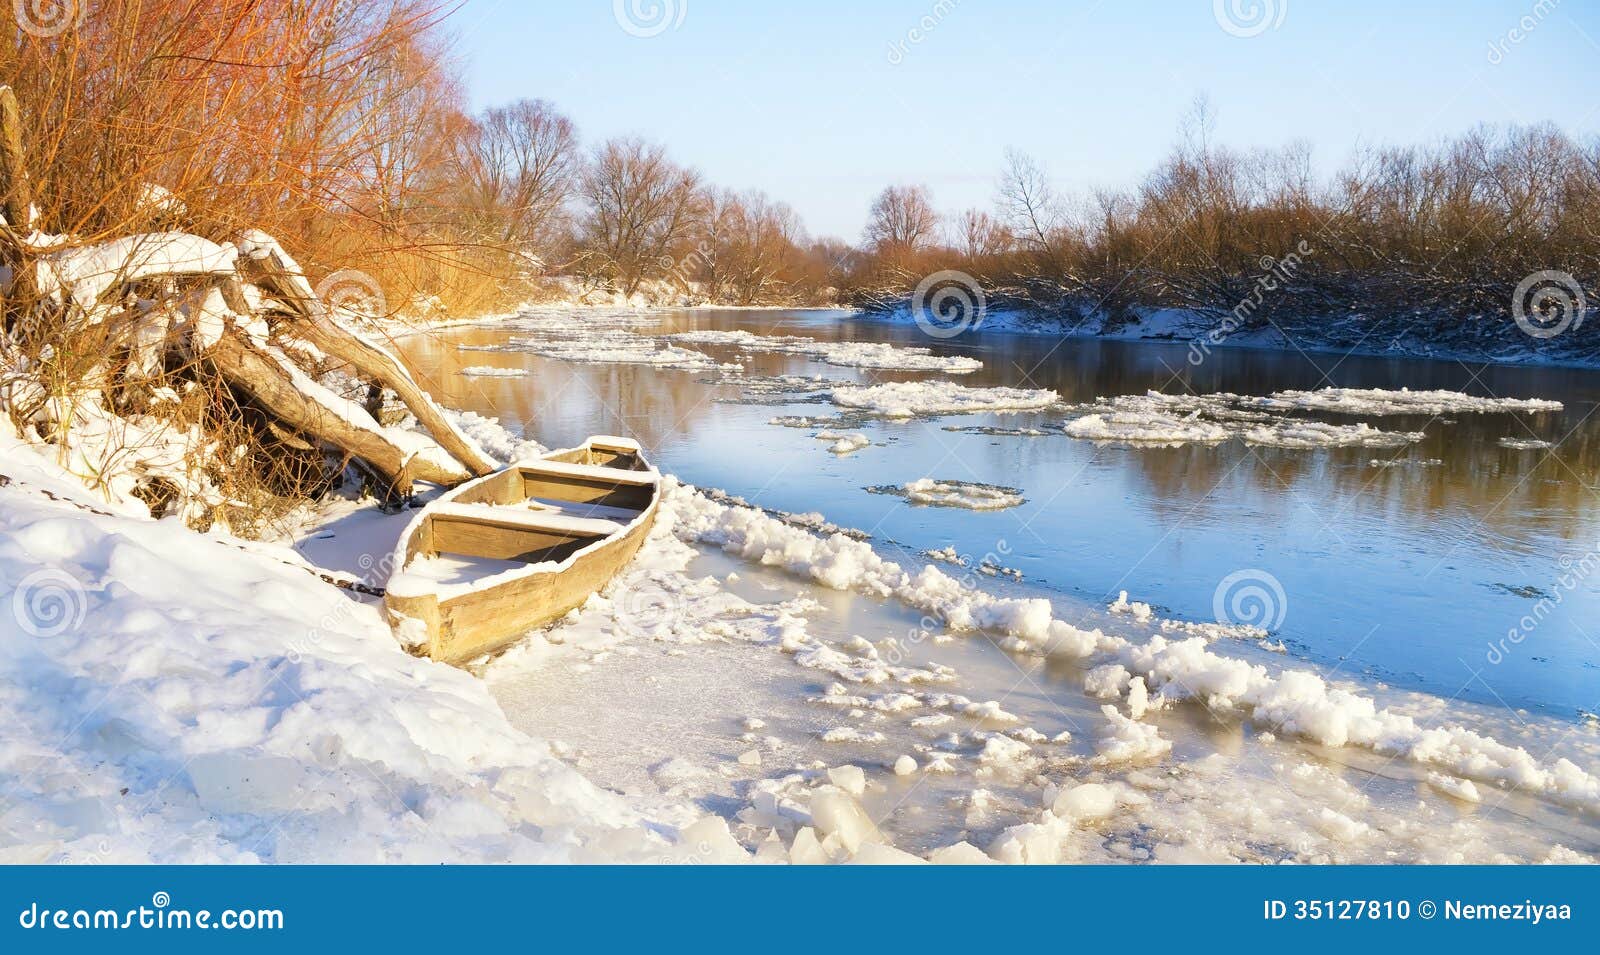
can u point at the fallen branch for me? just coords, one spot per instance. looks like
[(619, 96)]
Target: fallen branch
[(288, 394)]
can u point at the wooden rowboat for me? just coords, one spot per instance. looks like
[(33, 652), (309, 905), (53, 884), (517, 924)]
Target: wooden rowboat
[(510, 552)]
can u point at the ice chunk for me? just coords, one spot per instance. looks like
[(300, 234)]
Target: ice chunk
[(1089, 801), (806, 849), (849, 778), (962, 853), (1461, 789), (708, 841), (837, 813)]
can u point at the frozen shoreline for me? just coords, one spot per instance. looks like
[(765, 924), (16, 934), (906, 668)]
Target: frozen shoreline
[(1188, 328)]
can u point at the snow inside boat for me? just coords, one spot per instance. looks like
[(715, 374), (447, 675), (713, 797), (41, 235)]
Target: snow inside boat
[(513, 551)]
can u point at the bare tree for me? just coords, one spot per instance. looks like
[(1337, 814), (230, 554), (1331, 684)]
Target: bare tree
[(901, 222), (641, 211), (979, 234), (752, 253), (1029, 205), (518, 166)]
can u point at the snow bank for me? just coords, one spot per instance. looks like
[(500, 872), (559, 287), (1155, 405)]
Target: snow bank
[(909, 399), (176, 698), (842, 562), (487, 371)]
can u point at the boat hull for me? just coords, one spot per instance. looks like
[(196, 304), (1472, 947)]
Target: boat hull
[(568, 562)]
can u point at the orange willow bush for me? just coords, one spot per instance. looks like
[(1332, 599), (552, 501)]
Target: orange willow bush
[(323, 122)]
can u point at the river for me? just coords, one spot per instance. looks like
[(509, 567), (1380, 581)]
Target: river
[(1452, 571)]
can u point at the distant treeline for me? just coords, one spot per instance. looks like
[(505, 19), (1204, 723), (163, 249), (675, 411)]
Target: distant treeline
[(1450, 229)]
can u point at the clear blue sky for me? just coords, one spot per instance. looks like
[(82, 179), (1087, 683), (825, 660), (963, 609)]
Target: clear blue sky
[(806, 101)]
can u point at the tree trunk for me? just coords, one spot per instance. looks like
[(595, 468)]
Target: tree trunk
[(16, 202), (316, 324), (384, 369), (18, 193), (271, 382)]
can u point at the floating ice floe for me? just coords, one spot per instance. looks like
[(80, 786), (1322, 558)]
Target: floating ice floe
[(844, 443), (1000, 432), (963, 494), (1156, 419), (910, 399), (1320, 434), (1525, 444), (1135, 427), (1380, 401), (1407, 463), (486, 371), (773, 389), (807, 421), (845, 354), (616, 350)]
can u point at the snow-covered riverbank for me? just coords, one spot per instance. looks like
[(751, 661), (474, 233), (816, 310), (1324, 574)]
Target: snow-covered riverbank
[(1497, 340)]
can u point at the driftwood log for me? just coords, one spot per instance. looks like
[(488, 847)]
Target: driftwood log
[(271, 382), (313, 322)]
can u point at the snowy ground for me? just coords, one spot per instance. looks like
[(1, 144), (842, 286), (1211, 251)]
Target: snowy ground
[(175, 697)]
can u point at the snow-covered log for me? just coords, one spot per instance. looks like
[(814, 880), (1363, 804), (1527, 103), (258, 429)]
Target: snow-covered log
[(291, 396), (374, 362), (82, 274), (264, 262)]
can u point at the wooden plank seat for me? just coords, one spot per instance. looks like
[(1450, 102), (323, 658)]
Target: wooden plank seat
[(591, 472)]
